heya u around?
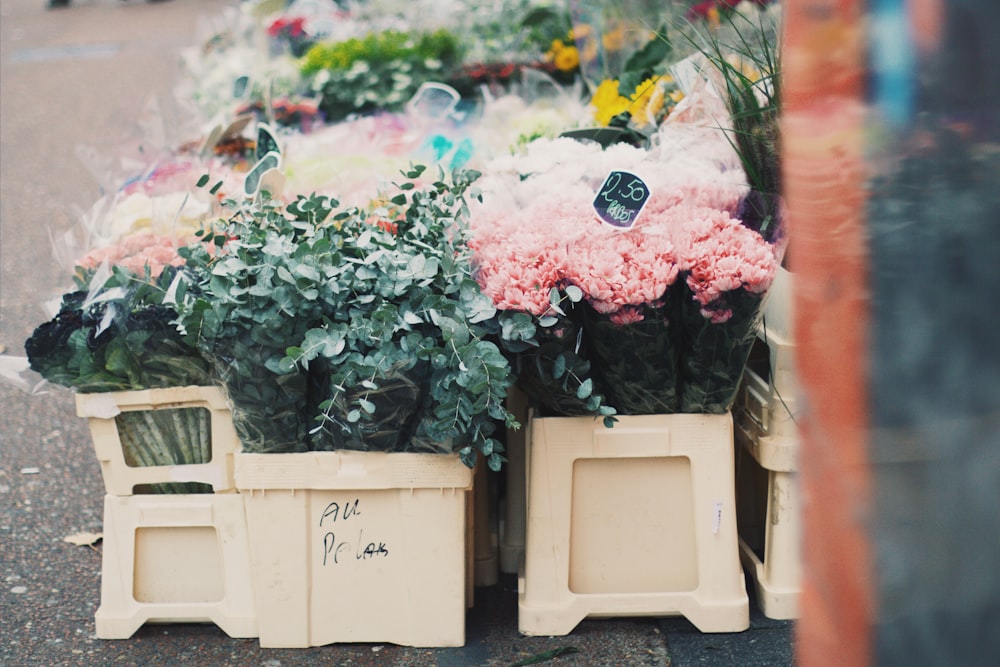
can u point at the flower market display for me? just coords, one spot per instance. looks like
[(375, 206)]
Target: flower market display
[(396, 211)]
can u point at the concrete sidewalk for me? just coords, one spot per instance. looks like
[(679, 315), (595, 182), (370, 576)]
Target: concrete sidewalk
[(80, 80)]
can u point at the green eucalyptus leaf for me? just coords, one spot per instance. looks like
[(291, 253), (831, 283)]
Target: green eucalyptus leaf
[(574, 293), (559, 366)]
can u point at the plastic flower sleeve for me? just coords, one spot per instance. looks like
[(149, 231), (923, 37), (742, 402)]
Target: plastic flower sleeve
[(608, 33), (388, 410), (728, 269), (628, 280), (268, 408), (16, 372), (520, 256), (119, 335)]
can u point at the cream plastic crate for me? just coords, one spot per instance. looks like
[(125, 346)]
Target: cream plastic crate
[(768, 442), (180, 558), (636, 520), (119, 478), (769, 523), (358, 546), (778, 308)]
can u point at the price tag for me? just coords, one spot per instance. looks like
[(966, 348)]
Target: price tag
[(620, 199)]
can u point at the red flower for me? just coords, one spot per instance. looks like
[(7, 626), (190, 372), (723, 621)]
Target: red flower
[(285, 26)]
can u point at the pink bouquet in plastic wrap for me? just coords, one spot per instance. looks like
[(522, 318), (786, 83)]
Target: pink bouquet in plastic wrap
[(653, 318)]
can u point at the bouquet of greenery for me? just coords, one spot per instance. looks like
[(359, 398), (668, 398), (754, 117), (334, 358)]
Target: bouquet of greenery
[(116, 333), (379, 72), (356, 328)]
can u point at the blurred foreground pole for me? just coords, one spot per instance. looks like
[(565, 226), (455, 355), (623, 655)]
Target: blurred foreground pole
[(892, 159), (822, 131)]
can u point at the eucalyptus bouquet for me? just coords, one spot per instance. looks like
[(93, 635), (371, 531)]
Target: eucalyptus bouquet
[(352, 327)]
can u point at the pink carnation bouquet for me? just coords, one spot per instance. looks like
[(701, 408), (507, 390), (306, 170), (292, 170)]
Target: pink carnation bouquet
[(520, 257), (136, 253), (728, 269), (656, 318)]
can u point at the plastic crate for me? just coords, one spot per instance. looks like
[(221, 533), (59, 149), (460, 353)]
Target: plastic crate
[(778, 308), (769, 524), (358, 546), (175, 559), (636, 520), (120, 478), (767, 440)]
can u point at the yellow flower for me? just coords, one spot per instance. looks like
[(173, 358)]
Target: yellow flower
[(647, 101), (744, 67), (607, 102), (567, 59)]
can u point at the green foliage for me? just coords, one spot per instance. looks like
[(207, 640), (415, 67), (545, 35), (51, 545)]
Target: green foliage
[(117, 335), (380, 47), (551, 364), (647, 62), (370, 315), (745, 51), (380, 71)]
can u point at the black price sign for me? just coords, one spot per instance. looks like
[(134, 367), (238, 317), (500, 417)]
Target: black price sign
[(620, 199)]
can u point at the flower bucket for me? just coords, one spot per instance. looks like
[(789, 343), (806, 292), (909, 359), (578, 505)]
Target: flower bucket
[(357, 546), (636, 520)]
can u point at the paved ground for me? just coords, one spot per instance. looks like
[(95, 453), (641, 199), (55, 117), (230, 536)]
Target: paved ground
[(80, 81)]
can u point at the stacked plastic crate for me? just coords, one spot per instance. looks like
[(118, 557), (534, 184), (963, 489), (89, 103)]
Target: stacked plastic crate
[(766, 460), (171, 557)]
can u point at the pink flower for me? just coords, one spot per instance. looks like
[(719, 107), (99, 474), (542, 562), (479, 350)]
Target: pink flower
[(627, 315), (723, 256), (520, 255), (137, 252), (616, 269)]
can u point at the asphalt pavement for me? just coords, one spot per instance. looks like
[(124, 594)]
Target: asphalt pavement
[(82, 88)]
